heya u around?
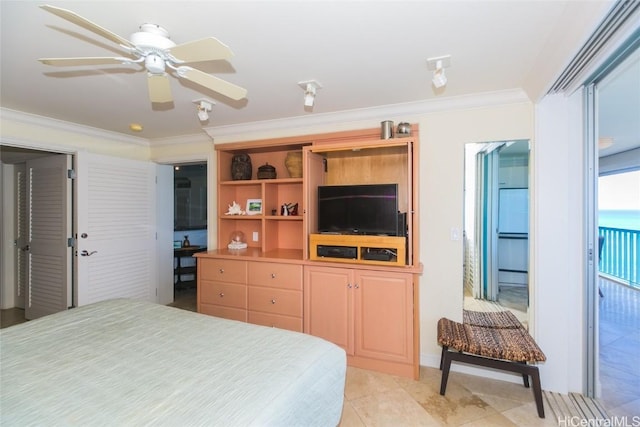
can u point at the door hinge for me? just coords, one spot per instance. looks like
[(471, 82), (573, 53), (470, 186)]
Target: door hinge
[(71, 174), (71, 242)]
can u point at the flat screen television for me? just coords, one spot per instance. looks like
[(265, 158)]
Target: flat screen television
[(358, 209)]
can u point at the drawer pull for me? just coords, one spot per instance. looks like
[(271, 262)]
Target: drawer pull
[(222, 271), (221, 294), (273, 275), (273, 301)]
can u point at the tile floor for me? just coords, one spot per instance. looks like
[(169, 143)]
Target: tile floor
[(375, 399)]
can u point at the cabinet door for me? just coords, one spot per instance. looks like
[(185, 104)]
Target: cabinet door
[(384, 315), (328, 309)]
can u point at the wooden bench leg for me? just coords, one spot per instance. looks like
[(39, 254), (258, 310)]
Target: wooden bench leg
[(537, 390), (444, 350), (521, 368), (525, 377), (445, 366)]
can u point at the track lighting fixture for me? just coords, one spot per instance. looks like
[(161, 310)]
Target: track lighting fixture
[(203, 106), (310, 89), (437, 65)]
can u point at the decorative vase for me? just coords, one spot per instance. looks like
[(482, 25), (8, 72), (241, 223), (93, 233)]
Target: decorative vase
[(241, 167), (293, 162)]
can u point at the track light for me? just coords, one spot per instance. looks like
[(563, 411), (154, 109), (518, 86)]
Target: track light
[(204, 106), (438, 65), (439, 78), (310, 89), (309, 95)]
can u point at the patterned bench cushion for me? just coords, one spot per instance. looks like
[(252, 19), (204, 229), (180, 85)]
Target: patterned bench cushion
[(493, 319), (512, 344)]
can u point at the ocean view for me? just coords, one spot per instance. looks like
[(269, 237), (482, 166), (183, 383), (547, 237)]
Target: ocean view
[(624, 219)]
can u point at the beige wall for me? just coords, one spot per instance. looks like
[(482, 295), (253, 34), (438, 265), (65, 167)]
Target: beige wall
[(442, 139)]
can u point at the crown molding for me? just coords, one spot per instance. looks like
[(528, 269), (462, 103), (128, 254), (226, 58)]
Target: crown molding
[(340, 120), (60, 125), (195, 138), (350, 119)]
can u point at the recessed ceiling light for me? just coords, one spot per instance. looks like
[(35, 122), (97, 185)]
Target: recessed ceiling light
[(605, 142), (135, 127)]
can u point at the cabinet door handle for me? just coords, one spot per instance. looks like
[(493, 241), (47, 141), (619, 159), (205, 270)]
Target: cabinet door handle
[(221, 294), (356, 286), (273, 301), (349, 286)]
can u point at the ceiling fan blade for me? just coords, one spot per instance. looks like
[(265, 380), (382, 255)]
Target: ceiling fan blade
[(206, 49), (212, 82), (85, 23), (89, 60), (159, 88)]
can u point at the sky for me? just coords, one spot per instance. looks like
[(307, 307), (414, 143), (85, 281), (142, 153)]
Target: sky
[(619, 191)]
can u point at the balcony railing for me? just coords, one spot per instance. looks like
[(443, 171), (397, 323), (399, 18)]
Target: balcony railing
[(620, 254)]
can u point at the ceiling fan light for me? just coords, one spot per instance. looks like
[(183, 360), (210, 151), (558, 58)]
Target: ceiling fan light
[(154, 64), (605, 142)]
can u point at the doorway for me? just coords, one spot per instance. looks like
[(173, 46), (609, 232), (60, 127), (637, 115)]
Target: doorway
[(615, 102), (37, 227), (190, 229), (496, 227)]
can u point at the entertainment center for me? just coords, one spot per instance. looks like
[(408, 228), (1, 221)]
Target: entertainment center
[(345, 267)]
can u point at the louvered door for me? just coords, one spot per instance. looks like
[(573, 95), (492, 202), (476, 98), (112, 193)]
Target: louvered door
[(48, 227), (116, 228), (22, 233)]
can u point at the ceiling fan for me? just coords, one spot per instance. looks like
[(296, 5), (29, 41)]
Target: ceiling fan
[(152, 47)]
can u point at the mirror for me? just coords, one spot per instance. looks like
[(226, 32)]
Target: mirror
[(190, 197), (496, 227)]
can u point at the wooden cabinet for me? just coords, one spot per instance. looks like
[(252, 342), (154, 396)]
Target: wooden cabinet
[(367, 305), (368, 313), (275, 295), (222, 288)]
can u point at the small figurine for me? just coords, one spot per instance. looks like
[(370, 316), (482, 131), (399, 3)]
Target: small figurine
[(235, 209)]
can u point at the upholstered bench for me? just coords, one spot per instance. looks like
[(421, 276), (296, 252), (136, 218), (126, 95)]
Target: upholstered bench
[(493, 340)]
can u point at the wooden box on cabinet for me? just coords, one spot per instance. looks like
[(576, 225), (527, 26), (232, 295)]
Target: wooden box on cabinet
[(369, 313)]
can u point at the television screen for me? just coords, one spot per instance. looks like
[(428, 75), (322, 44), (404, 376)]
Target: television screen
[(358, 209)]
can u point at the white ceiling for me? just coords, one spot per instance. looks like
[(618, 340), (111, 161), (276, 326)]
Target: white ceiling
[(364, 53)]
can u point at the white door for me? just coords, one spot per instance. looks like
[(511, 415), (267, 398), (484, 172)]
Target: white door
[(116, 246), (21, 233), (48, 229)]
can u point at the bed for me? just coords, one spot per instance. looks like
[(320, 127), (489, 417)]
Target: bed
[(127, 362)]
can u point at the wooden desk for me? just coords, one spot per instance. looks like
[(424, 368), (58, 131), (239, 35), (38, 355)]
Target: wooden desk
[(179, 270)]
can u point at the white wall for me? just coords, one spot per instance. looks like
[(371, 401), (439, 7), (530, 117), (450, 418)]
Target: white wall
[(558, 225)]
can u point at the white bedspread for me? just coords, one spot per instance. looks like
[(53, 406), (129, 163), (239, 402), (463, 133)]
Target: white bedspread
[(124, 362)]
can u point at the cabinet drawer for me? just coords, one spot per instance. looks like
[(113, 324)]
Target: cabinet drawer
[(224, 312), (223, 270), (276, 321), (276, 301), (275, 275), (225, 294)]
